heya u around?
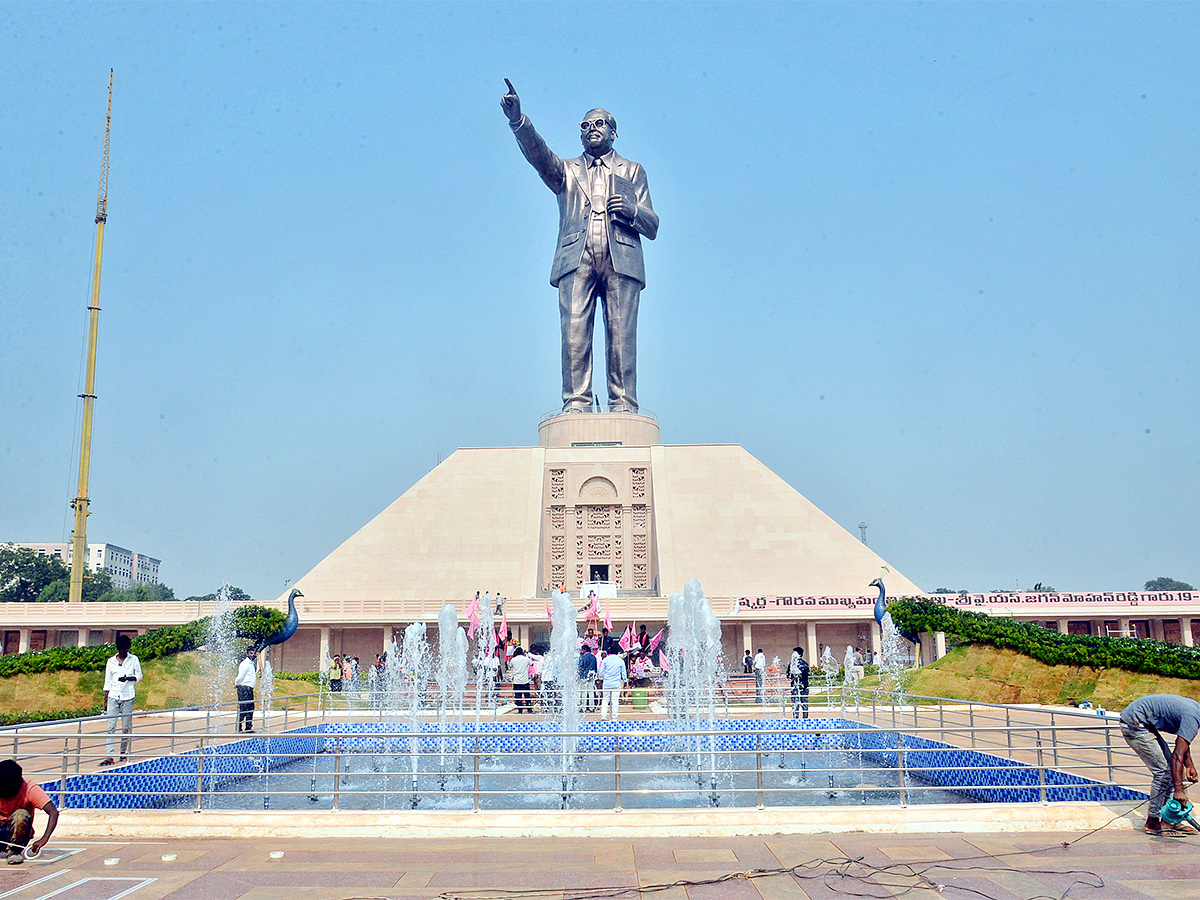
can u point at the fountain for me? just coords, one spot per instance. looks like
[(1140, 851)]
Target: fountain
[(694, 653), (892, 665), (560, 680), (451, 676), (692, 759), (221, 648), (484, 664), (413, 667)]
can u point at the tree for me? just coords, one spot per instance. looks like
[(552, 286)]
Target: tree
[(1167, 584), (236, 595), (24, 574), (96, 585), (140, 593)]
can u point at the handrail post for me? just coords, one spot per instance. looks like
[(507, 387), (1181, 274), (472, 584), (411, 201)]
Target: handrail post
[(337, 774), (200, 774), (758, 765), (971, 713), (1108, 752), (476, 807), (1053, 739), (1008, 730), (476, 801), (617, 771), (1041, 768), (900, 768), (62, 781), (78, 744)]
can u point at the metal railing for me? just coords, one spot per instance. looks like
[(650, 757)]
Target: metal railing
[(314, 752)]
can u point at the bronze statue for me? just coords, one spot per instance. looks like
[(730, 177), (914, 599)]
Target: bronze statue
[(604, 209)]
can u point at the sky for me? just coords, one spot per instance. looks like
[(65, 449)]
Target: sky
[(936, 265)]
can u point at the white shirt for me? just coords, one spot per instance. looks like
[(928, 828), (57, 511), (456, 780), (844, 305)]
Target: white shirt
[(246, 676), (612, 671), (114, 668), (520, 669), (760, 663)]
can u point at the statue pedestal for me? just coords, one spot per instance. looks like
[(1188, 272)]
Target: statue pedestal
[(601, 429)]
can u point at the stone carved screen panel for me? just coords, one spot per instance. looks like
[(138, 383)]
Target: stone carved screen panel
[(558, 484), (597, 515)]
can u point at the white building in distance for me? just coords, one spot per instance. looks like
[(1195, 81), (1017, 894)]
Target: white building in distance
[(125, 567)]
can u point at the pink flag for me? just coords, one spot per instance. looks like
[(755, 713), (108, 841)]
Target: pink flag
[(549, 612), (663, 662), (626, 640), (607, 618), (503, 632), (473, 618), (656, 640), (473, 608)]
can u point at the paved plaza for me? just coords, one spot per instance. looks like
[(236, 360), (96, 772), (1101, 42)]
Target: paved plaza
[(1116, 864)]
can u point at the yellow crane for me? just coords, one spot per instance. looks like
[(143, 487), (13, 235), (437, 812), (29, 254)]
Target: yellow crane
[(80, 503)]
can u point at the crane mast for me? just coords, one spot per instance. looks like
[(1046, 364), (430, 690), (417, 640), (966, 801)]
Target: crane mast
[(80, 503)]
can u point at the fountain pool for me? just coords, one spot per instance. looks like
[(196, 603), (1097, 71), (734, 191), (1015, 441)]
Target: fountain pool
[(740, 763)]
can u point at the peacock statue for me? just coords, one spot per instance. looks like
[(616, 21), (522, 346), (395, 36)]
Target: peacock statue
[(289, 625), (881, 609)]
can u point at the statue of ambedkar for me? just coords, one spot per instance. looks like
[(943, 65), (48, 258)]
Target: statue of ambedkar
[(604, 210)]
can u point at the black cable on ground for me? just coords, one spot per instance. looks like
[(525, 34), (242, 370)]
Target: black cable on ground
[(898, 879)]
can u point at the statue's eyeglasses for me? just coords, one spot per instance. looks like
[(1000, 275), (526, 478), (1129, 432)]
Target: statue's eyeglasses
[(596, 123)]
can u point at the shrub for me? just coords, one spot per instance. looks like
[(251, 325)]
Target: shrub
[(1044, 645), (314, 677), (49, 715)]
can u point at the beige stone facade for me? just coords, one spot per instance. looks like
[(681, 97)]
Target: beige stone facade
[(600, 500)]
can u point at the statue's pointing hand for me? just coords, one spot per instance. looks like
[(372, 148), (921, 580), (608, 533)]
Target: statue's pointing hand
[(511, 104)]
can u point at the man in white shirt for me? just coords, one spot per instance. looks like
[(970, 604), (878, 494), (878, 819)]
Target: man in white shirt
[(121, 673), (760, 673), (247, 678), (612, 673)]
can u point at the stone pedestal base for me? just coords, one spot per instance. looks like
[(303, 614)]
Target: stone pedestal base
[(598, 430)]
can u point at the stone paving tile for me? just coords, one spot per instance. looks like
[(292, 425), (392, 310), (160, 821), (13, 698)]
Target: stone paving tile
[(710, 857), (910, 852), (1172, 891), (649, 877), (780, 887), (415, 878), (1133, 867), (615, 856)]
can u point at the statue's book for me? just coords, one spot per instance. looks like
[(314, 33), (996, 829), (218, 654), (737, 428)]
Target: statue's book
[(624, 187)]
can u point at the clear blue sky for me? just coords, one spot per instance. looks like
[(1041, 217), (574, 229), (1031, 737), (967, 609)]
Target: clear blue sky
[(936, 265)]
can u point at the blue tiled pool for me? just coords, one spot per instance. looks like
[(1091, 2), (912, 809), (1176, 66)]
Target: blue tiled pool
[(520, 764)]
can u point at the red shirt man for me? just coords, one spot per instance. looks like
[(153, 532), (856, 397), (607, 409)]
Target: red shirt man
[(18, 799)]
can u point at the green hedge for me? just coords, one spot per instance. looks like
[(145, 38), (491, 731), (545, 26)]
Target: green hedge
[(1044, 645), (249, 622), (314, 677), (49, 715)]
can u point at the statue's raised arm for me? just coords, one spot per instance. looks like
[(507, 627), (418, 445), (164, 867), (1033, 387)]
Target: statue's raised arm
[(511, 104)]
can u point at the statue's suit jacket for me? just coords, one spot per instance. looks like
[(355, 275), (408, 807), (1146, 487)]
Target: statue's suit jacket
[(570, 181)]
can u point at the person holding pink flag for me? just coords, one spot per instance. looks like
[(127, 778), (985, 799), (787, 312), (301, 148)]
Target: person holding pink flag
[(626, 640)]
